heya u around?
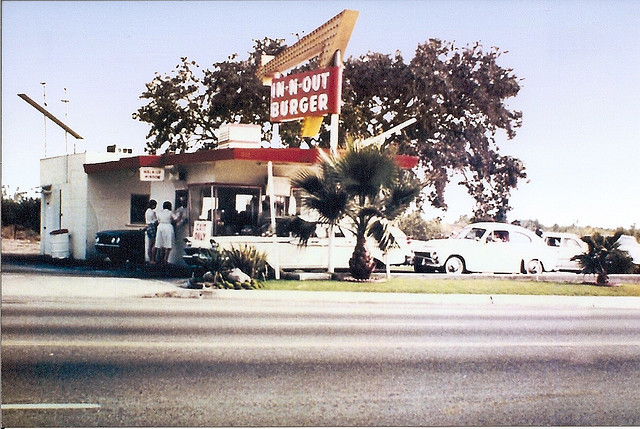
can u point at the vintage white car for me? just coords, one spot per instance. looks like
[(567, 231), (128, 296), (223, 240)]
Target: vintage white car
[(286, 252), (566, 246), (629, 244), (486, 247)]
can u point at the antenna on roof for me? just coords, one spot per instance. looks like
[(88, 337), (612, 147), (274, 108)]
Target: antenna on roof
[(44, 100), (49, 115), (65, 100)]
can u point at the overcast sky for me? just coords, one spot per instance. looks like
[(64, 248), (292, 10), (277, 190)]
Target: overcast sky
[(580, 61)]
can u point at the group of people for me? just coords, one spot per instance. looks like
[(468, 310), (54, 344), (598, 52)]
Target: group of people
[(161, 229)]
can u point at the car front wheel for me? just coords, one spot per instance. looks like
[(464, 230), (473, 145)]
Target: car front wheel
[(454, 265), (534, 267)]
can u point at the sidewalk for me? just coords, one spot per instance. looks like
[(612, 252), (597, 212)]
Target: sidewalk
[(33, 278), (42, 286)]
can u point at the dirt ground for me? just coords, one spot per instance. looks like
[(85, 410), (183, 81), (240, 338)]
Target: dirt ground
[(16, 240), (20, 246)]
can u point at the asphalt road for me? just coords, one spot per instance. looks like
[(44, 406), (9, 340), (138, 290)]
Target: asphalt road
[(316, 359)]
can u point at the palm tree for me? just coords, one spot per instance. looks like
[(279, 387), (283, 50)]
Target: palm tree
[(604, 257), (365, 186)]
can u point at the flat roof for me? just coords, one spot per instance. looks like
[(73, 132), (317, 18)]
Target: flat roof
[(284, 155)]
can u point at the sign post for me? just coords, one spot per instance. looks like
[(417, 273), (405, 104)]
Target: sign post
[(314, 94)]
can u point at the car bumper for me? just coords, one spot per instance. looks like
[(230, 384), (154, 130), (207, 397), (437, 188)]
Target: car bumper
[(426, 262)]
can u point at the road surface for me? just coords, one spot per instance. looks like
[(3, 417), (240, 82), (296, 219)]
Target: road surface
[(318, 359)]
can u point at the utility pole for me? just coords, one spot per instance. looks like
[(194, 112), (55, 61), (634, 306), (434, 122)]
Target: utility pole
[(66, 117), (44, 98)]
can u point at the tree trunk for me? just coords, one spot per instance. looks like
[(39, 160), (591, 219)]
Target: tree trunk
[(360, 265), (602, 278)]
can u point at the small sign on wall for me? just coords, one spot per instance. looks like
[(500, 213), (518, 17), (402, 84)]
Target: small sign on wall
[(202, 230), (151, 174)]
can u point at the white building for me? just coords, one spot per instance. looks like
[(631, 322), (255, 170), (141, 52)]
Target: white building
[(86, 193)]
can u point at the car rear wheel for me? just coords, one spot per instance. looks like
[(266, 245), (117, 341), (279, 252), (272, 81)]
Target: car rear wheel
[(454, 265), (534, 267)]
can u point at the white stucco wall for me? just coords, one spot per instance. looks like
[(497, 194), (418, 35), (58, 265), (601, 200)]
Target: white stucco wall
[(85, 204), (64, 205), (239, 172), (109, 202)]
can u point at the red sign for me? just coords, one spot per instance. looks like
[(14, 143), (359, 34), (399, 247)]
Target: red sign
[(313, 93)]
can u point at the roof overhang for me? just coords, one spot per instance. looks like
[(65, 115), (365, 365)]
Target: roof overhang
[(280, 156), (286, 155)]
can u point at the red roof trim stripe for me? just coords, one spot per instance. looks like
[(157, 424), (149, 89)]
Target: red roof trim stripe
[(287, 155)]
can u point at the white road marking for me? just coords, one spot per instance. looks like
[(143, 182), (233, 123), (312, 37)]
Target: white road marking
[(316, 342), (48, 406)]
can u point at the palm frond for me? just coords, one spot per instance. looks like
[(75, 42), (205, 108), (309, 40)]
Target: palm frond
[(323, 195), (302, 229), (365, 171), (380, 231)]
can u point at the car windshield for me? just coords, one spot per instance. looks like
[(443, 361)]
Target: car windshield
[(471, 233)]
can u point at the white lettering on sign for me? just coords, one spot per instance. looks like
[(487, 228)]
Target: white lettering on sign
[(314, 93), (151, 174)]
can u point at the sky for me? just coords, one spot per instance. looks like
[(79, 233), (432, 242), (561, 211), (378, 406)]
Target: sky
[(579, 61)]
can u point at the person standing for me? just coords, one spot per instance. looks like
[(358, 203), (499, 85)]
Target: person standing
[(165, 235), (181, 228), (151, 219)]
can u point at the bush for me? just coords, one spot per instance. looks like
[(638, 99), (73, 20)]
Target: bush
[(216, 265), (604, 257), (248, 260), (24, 213)]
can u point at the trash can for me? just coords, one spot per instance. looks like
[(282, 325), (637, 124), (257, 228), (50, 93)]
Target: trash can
[(59, 243)]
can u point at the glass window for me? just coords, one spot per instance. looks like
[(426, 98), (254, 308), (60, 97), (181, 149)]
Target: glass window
[(233, 210), (138, 206), (553, 241), (572, 244), (472, 233), (520, 238), (499, 237)]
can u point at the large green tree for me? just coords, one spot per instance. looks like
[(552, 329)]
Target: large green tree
[(458, 96)]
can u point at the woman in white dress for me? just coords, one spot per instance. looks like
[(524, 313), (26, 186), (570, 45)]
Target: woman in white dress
[(165, 234), (151, 219)]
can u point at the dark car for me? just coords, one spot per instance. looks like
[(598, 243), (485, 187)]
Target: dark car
[(122, 245)]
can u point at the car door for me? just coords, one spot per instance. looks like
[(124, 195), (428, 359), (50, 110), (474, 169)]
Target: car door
[(499, 252), (570, 248)]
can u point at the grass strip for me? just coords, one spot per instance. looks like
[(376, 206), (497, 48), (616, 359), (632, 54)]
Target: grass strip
[(457, 286)]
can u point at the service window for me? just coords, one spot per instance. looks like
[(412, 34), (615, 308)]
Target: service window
[(233, 210), (138, 206), (295, 203)]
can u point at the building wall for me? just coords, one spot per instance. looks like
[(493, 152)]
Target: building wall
[(64, 203), (239, 172), (85, 204), (109, 202)]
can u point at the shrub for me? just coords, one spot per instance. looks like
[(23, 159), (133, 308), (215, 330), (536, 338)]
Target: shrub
[(216, 265), (604, 257), (249, 260), (25, 213)]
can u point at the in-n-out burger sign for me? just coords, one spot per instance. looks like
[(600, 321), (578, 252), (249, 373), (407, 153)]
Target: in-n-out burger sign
[(313, 93)]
